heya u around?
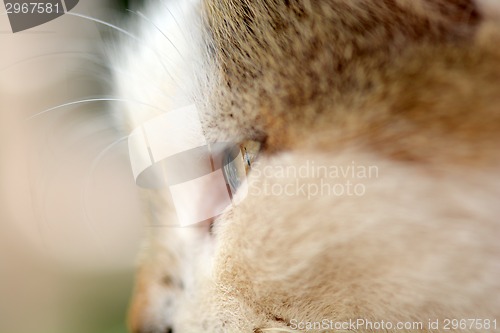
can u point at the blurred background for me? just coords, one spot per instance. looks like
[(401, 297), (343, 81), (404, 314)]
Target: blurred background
[(70, 219)]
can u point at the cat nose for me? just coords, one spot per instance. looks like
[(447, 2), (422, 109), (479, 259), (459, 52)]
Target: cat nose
[(146, 312), (136, 317), (140, 322)]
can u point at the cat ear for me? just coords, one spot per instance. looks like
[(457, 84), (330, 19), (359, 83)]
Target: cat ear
[(490, 9)]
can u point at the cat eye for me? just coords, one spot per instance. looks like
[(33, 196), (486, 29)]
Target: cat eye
[(237, 163), (203, 178)]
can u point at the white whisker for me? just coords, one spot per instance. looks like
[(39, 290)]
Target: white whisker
[(90, 101), (41, 56), (159, 56), (175, 20), (104, 23), (138, 13)]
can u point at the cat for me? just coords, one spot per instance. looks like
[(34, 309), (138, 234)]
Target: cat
[(373, 202)]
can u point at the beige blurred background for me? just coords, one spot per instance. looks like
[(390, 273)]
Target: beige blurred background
[(70, 223)]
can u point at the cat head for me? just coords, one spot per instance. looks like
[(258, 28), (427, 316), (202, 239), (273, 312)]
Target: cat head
[(374, 192)]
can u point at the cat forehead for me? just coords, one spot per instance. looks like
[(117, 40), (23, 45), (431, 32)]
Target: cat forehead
[(253, 77)]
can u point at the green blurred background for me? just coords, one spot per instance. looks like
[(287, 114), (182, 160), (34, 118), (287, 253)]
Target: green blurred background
[(105, 297), (54, 276)]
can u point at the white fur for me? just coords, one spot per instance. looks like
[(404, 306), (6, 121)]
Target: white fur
[(159, 69)]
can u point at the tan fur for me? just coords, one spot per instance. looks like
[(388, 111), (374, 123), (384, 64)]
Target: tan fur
[(316, 63), (411, 87)]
